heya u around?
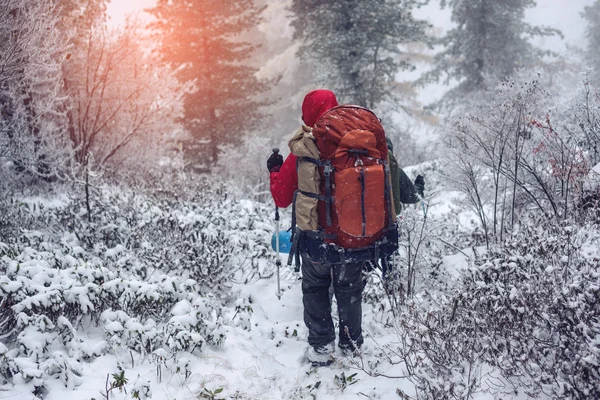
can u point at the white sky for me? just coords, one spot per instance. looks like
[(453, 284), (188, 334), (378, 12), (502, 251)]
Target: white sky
[(564, 15)]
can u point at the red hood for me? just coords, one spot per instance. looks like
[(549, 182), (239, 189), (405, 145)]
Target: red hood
[(316, 103)]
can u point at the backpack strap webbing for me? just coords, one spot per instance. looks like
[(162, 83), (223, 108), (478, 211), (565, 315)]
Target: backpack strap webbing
[(313, 195), (318, 163), (362, 201), (294, 253), (319, 235), (388, 193), (327, 171)]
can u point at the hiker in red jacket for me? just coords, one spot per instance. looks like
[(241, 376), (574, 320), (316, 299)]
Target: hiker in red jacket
[(317, 277), (339, 180), (284, 177)]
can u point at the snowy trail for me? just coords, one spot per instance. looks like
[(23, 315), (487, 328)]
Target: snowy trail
[(265, 362)]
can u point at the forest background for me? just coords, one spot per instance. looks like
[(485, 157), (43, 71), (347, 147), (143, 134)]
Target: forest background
[(135, 215)]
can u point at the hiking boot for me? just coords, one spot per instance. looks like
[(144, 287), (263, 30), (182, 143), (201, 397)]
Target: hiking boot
[(352, 351), (321, 356)]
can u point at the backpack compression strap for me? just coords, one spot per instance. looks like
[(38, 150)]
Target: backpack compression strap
[(327, 171), (295, 236), (388, 193), (328, 199)]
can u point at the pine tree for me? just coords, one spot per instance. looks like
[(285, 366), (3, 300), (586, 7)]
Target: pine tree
[(200, 37), (488, 44), (592, 55), (355, 44)]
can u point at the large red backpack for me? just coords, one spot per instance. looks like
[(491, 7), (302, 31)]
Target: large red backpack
[(355, 204)]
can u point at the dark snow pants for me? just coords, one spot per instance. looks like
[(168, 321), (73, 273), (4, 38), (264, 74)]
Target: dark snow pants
[(347, 285)]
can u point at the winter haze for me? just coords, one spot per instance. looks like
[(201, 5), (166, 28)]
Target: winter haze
[(138, 251)]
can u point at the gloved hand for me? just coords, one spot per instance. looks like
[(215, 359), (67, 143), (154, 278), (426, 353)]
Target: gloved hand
[(420, 185), (274, 162)]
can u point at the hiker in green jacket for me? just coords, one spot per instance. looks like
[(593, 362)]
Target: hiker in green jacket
[(405, 191)]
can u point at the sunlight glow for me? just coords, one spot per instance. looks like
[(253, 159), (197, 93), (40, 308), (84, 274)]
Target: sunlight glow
[(118, 10)]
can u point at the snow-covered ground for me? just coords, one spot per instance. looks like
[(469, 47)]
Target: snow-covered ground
[(264, 361), (263, 355), (163, 334), (262, 358)]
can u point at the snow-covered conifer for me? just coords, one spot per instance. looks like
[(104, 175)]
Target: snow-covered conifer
[(356, 45), (592, 15), (201, 38), (489, 43)]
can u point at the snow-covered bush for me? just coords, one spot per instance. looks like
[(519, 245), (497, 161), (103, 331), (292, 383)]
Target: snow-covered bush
[(151, 271), (33, 118), (141, 389), (192, 325), (527, 311), (517, 156), (249, 172), (522, 318)]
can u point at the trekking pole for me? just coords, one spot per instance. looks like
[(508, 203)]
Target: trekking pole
[(423, 207), (278, 262)]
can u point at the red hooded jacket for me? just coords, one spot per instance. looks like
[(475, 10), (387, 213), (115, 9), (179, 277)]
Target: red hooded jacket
[(285, 181)]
